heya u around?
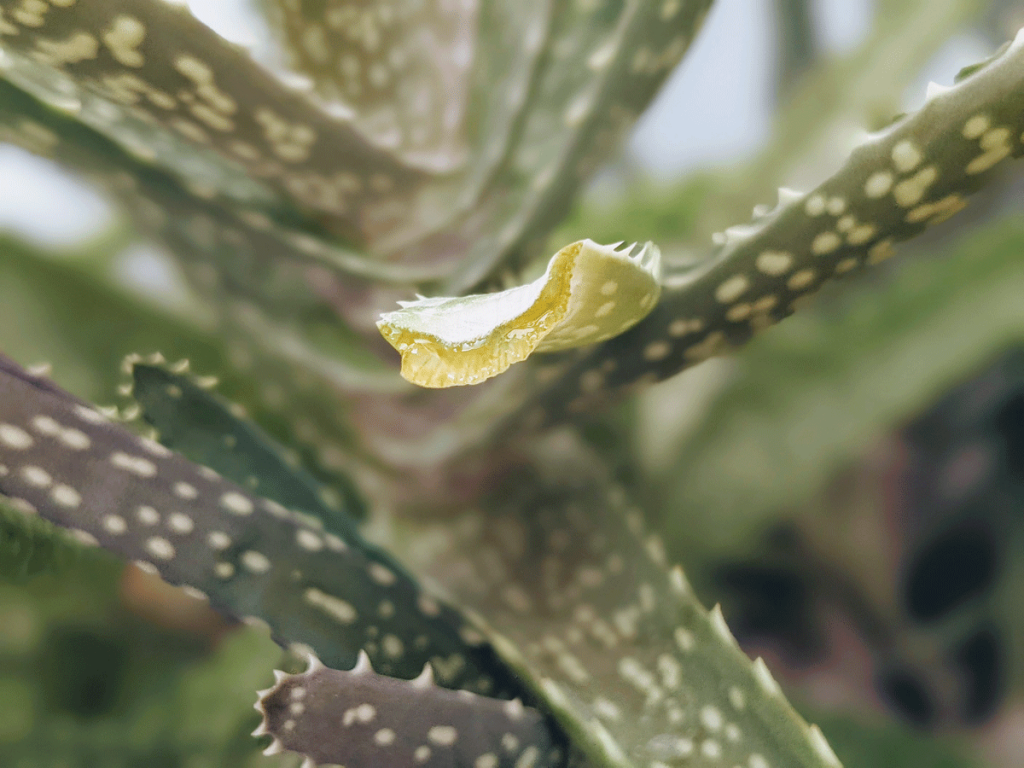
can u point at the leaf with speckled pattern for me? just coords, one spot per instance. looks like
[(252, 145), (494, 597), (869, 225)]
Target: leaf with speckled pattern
[(251, 556), (407, 723), (898, 183), (42, 296), (603, 62), (853, 89), (404, 67), (196, 423), (886, 349), (200, 107), (579, 600)]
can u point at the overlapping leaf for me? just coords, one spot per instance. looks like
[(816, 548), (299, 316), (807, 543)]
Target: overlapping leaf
[(580, 602), (886, 352), (162, 84), (402, 724), (913, 175), (249, 554)]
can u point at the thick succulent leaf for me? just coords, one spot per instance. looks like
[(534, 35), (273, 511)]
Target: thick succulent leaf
[(580, 602), (196, 423), (896, 347), (403, 66), (384, 721), (914, 174), (509, 47), (588, 293), (250, 252), (200, 105), (602, 64), (813, 129), (250, 555), (53, 311)]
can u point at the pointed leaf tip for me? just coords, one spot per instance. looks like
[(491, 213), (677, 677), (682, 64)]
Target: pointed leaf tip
[(589, 293)]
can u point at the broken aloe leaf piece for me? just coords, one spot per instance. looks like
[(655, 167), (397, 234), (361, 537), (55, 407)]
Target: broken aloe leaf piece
[(588, 293)]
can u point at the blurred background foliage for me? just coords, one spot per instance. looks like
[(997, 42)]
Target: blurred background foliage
[(852, 480)]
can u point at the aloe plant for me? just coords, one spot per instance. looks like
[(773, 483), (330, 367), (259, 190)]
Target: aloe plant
[(466, 580)]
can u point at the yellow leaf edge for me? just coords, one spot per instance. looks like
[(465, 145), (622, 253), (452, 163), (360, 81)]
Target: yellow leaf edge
[(588, 293)]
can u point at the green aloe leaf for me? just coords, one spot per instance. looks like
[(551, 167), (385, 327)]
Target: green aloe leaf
[(404, 67), (881, 350), (249, 555), (602, 64), (193, 421), (201, 108), (400, 723), (809, 135), (901, 181), (581, 603)]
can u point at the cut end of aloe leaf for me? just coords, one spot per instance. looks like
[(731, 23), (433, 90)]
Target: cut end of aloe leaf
[(589, 293)]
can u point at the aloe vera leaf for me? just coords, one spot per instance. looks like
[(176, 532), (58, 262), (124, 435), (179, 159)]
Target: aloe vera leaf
[(509, 48), (272, 237), (811, 133), (910, 176), (464, 340), (194, 422), (251, 556), (555, 566), (202, 107), (602, 64), (403, 67), (59, 313), (880, 350), (384, 720)]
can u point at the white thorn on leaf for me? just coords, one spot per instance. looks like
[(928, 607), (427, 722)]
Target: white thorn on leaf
[(935, 89), (822, 747), (424, 679), (363, 665), (129, 361), (679, 581), (275, 748), (313, 664), (765, 679), (737, 234), (719, 625), (860, 137), (788, 196), (39, 370), (1018, 39)]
